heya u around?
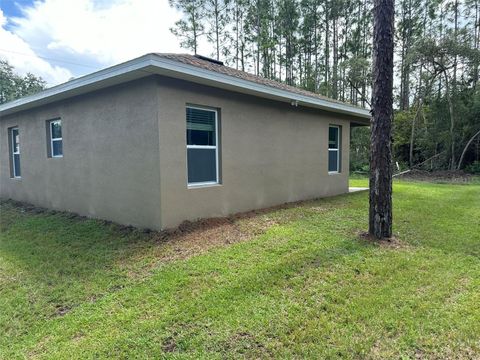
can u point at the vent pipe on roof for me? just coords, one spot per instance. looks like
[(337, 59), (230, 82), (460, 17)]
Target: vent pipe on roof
[(201, 57)]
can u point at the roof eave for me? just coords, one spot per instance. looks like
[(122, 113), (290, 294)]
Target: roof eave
[(153, 64), (114, 75), (212, 78)]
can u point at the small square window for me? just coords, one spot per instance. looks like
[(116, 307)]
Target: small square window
[(14, 141), (333, 137), (334, 152), (56, 139)]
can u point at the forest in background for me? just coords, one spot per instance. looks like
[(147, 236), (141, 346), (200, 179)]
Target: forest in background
[(325, 46), (14, 86)]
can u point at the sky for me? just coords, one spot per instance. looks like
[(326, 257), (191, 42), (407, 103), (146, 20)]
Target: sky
[(62, 39)]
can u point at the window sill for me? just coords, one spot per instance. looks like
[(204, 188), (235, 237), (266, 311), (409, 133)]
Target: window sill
[(16, 178), (56, 156), (203, 185), (334, 173)]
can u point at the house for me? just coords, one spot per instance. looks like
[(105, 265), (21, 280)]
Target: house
[(167, 137)]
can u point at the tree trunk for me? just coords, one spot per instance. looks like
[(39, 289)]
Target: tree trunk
[(465, 149), (335, 58), (403, 59), (315, 46), (217, 35), (455, 60), (380, 215), (195, 36), (421, 99), (237, 30), (452, 120), (327, 50), (476, 41), (412, 136)]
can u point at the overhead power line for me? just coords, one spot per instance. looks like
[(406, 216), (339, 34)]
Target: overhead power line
[(50, 59)]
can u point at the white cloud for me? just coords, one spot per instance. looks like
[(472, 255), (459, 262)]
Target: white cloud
[(19, 54), (96, 32)]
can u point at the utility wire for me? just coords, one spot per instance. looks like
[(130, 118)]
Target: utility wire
[(51, 59)]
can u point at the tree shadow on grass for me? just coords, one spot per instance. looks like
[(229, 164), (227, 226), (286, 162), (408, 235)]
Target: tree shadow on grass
[(51, 261), (63, 259), (215, 287)]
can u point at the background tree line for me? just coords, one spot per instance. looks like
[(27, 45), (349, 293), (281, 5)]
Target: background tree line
[(325, 46), (14, 86)]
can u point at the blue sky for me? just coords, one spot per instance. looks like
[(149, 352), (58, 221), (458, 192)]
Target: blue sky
[(12, 8), (61, 39)]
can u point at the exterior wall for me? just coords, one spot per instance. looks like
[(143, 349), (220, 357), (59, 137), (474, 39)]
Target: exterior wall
[(110, 167), (270, 152), (125, 154)]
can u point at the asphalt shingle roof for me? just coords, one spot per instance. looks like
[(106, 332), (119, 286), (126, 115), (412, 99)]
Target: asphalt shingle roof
[(223, 69)]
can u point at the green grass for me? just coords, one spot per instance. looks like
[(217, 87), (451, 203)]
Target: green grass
[(304, 286)]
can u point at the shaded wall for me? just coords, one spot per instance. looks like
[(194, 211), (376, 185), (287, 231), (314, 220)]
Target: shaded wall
[(110, 166)]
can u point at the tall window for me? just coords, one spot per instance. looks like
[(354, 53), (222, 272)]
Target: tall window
[(202, 146), (15, 151), (56, 140), (334, 153)]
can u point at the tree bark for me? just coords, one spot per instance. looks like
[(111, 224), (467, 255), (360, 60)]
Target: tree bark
[(421, 99), (452, 120), (380, 214), (237, 30), (335, 57), (476, 41), (327, 50), (217, 35), (465, 150)]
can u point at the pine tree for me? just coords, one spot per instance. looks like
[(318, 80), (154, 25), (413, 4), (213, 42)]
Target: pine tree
[(191, 27), (218, 15), (380, 215)]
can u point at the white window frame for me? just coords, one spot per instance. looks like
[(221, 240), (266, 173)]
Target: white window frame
[(15, 176), (217, 180), (52, 139), (336, 150)]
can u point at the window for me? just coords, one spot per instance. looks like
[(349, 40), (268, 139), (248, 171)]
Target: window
[(202, 146), (15, 152), (56, 142), (334, 149)]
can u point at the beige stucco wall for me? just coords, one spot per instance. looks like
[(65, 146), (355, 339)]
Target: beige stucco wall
[(110, 167), (271, 153), (125, 154)]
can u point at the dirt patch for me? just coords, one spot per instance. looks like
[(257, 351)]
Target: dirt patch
[(243, 342), (203, 224), (446, 176), (169, 345), (78, 337), (193, 237), (391, 243), (10, 209), (318, 209), (23, 207), (62, 310)]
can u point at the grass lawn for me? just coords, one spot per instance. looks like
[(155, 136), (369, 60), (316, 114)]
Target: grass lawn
[(294, 282)]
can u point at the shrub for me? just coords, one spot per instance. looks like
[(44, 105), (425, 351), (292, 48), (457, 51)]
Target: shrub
[(473, 168)]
